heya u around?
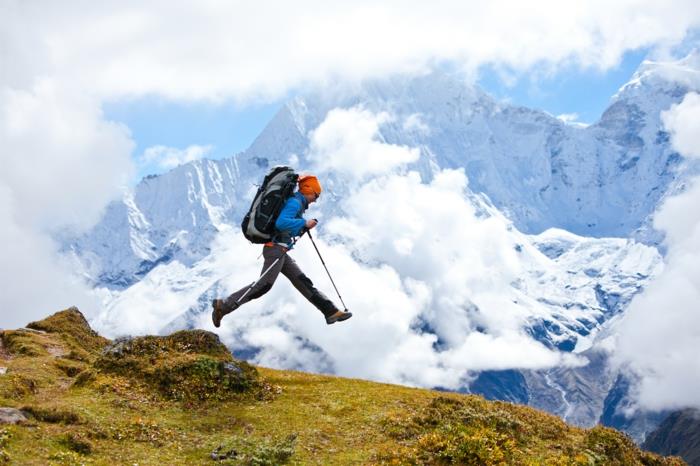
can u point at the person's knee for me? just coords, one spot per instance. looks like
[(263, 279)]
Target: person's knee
[(261, 291)]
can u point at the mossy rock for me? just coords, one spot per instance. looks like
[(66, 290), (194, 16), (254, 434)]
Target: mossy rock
[(190, 365), (74, 328)]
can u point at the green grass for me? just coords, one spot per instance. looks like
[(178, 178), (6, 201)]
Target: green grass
[(118, 407)]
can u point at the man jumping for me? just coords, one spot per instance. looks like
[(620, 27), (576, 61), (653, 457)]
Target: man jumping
[(289, 224)]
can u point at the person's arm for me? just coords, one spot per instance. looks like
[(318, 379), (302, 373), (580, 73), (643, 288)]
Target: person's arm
[(288, 220)]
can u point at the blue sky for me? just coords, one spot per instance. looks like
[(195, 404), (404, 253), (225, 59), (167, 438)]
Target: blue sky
[(227, 127), (230, 128), (585, 92)]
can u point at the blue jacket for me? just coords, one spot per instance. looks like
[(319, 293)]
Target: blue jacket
[(290, 222)]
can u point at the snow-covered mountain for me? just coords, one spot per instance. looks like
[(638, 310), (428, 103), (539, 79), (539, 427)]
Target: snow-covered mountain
[(569, 207)]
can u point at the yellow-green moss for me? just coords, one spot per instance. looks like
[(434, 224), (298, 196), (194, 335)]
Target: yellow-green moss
[(52, 414), (265, 452), (75, 443), (70, 367), (471, 430), (22, 343), (188, 365), (16, 386), (4, 441), (73, 327), (163, 400)]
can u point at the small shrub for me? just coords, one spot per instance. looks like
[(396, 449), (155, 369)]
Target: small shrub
[(273, 453), (198, 341), (17, 386), (22, 343), (76, 444), (78, 354), (266, 452), (140, 430), (205, 378), (457, 444), (70, 368), (611, 446), (471, 430), (69, 458), (4, 441), (4, 437), (52, 415), (84, 378)]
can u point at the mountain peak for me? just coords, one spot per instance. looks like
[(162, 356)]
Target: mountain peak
[(684, 71)]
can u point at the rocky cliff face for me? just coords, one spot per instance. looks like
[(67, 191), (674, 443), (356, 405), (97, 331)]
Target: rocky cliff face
[(678, 434)]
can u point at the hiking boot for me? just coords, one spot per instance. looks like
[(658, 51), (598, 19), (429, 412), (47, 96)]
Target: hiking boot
[(219, 312), (338, 316)]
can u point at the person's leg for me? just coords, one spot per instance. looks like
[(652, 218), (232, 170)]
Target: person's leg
[(301, 282), (270, 269)]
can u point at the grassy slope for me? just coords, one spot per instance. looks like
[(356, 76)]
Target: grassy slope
[(302, 419)]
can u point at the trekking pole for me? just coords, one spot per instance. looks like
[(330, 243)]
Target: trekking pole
[(267, 270), (324, 266)]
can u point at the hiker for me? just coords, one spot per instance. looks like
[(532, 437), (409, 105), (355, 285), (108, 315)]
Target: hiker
[(289, 224)]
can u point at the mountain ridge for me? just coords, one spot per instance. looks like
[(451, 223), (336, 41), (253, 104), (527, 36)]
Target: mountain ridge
[(524, 168), (621, 128)]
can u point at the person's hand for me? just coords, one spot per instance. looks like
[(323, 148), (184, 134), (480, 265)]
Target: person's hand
[(311, 223)]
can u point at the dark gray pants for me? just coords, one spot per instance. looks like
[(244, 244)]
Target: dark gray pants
[(289, 269)]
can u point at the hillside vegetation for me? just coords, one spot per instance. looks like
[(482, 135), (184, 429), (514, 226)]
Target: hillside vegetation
[(184, 400)]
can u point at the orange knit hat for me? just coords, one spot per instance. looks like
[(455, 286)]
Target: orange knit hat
[(308, 184)]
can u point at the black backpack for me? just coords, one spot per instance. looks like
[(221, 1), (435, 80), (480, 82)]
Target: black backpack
[(259, 223)]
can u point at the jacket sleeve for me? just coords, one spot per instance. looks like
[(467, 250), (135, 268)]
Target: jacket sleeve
[(288, 220)]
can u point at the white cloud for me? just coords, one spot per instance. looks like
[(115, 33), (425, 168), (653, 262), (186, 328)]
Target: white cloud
[(61, 163), (660, 334), (34, 282), (572, 119), (347, 143), (414, 123), (165, 158), (418, 257), (683, 122), (568, 117), (212, 50)]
